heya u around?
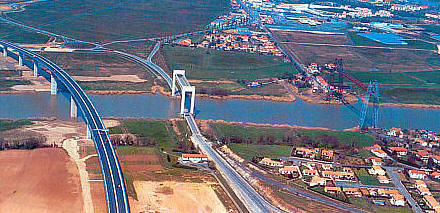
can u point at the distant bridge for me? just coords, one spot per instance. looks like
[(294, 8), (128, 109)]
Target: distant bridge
[(116, 195)]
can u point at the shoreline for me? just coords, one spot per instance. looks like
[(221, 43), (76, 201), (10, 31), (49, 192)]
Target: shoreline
[(288, 98)]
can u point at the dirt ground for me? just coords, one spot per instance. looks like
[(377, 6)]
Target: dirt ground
[(56, 131), (182, 197), (40, 180), (4, 8), (127, 78)]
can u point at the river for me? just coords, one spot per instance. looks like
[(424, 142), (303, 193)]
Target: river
[(42, 104)]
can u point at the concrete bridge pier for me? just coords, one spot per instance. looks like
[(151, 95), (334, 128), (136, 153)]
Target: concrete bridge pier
[(89, 132), (5, 51), (175, 73), (36, 69), (192, 90), (73, 108), (53, 85), (20, 59)]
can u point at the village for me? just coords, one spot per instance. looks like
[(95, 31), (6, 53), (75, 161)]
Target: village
[(376, 179)]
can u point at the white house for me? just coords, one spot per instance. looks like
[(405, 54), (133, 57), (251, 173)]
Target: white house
[(379, 153), (270, 162), (286, 170), (395, 132), (376, 170), (317, 181), (397, 199), (194, 158), (417, 174)]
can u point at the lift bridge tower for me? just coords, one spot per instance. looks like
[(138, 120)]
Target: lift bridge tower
[(372, 91)]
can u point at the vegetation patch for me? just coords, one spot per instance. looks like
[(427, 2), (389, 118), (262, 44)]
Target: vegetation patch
[(5, 85)]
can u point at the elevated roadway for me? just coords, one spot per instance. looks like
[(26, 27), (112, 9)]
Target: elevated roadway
[(116, 196)]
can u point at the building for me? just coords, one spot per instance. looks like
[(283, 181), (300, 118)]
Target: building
[(352, 191), (387, 192), (379, 153), (185, 42), (333, 190), (423, 190), (420, 183), (327, 166), (309, 172), (435, 175), (417, 174), (421, 142), (400, 151), (383, 179), (436, 159), (431, 202), (317, 181), (327, 155), (423, 156), (270, 162), (395, 132), (288, 170), (338, 175), (377, 161), (194, 158), (376, 170), (397, 199)]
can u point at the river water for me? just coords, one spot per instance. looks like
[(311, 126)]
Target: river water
[(42, 104)]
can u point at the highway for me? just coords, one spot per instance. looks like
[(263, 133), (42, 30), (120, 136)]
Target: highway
[(252, 200), (116, 196)]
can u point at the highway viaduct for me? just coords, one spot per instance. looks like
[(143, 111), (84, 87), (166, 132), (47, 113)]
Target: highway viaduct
[(116, 196)]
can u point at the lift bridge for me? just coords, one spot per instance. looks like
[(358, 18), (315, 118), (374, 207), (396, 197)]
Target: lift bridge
[(371, 91)]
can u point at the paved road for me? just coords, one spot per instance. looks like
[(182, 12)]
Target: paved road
[(396, 179), (253, 201), (116, 195), (307, 194)]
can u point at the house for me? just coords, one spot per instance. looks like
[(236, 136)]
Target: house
[(376, 146), (270, 162), (194, 158), (420, 183), (184, 42), (417, 174), (435, 175), (338, 175), (423, 190), (317, 181), (309, 172), (395, 132), (383, 179), (387, 192), (352, 191), (421, 142), (397, 199), (376, 170), (288, 170), (379, 153), (310, 165), (327, 154), (377, 161), (332, 190), (431, 202), (400, 151), (347, 169), (327, 166), (423, 156), (305, 152), (436, 159)]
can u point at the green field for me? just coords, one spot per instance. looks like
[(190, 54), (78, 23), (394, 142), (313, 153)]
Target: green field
[(19, 35), (120, 19), (348, 138), (8, 124), (364, 204), (411, 96), (386, 78), (159, 130), (429, 76), (368, 179), (215, 64), (249, 151), (5, 85)]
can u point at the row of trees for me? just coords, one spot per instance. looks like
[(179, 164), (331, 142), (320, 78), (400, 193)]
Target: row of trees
[(132, 140), (289, 139), (25, 143)]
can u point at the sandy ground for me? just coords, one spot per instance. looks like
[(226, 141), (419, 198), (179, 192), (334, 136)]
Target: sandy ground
[(128, 78), (4, 7), (72, 148), (40, 180), (182, 197), (56, 131)]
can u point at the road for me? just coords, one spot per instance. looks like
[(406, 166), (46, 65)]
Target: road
[(396, 179), (252, 200), (116, 196)]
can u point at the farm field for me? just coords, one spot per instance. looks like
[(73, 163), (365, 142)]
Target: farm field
[(206, 64), (97, 20)]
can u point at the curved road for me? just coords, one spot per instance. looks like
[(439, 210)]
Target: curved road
[(116, 195)]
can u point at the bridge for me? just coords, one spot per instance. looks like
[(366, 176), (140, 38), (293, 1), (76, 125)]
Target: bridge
[(116, 195)]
